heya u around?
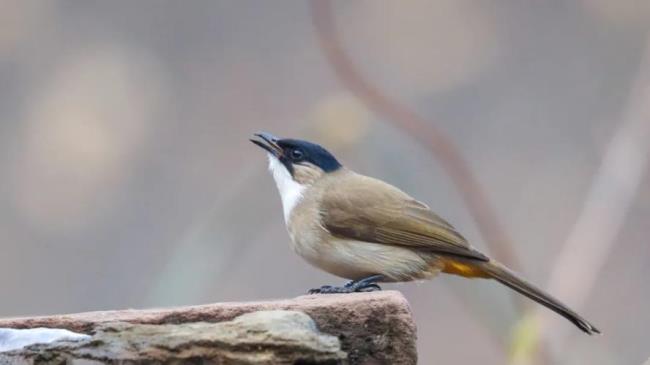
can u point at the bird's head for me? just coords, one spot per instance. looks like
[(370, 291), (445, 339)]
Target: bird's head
[(300, 161), (295, 165)]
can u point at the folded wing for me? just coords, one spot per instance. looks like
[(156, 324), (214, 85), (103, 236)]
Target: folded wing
[(372, 211)]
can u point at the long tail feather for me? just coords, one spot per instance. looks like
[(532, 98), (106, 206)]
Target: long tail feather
[(502, 274)]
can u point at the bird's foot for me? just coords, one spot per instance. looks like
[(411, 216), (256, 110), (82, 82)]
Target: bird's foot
[(365, 285), (329, 289)]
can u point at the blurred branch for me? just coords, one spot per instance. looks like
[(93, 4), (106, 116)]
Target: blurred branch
[(608, 201), (441, 147)]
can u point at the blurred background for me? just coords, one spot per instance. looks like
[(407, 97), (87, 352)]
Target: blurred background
[(128, 180)]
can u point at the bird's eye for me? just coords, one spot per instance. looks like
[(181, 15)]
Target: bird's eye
[(297, 155)]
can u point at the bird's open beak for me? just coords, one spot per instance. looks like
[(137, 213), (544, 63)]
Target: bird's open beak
[(268, 142)]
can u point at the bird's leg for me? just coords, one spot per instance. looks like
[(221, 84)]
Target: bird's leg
[(367, 284)]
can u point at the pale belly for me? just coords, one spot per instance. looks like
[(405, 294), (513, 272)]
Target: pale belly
[(356, 259)]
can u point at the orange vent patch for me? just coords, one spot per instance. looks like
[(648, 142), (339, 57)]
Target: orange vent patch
[(463, 269)]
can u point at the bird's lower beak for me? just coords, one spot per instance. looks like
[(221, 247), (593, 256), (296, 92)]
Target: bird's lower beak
[(268, 142)]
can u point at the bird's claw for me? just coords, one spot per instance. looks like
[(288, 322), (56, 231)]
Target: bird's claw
[(319, 290), (369, 288), (351, 287), (329, 289)]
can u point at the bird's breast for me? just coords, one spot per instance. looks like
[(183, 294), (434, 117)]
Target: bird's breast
[(305, 231)]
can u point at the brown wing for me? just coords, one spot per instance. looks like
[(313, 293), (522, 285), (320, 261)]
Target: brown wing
[(370, 210)]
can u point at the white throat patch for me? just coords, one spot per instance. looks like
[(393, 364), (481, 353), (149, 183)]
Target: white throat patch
[(290, 191)]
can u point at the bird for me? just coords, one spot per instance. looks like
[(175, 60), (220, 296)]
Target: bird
[(370, 232)]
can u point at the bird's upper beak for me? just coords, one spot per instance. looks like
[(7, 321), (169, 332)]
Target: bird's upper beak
[(268, 142)]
